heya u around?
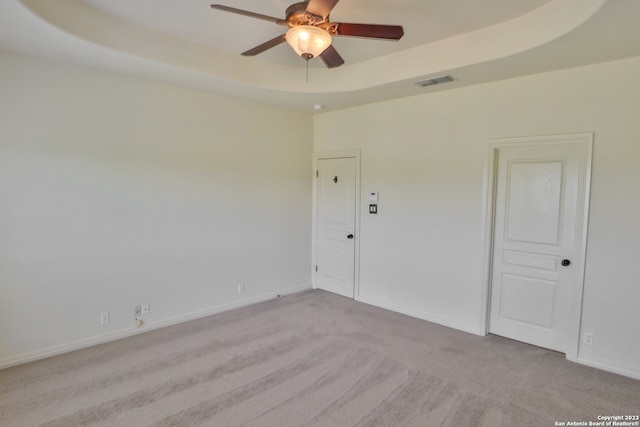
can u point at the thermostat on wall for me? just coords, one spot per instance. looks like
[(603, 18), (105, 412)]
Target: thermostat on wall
[(372, 196)]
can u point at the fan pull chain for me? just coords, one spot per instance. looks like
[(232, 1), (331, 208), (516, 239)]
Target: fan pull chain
[(307, 71)]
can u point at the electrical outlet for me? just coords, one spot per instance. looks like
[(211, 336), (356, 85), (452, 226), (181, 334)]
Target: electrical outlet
[(137, 311), (145, 309), (240, 287), (104, 318), (588, 338)]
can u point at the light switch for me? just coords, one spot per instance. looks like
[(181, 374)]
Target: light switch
[(373, 209), (372, 196)]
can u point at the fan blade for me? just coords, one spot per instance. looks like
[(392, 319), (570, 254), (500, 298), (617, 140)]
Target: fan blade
[(321, 7), (331, 57), (387, 32), (265, 46), (249, 14)]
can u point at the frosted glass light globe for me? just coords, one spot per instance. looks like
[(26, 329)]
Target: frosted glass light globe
[(308, 41)]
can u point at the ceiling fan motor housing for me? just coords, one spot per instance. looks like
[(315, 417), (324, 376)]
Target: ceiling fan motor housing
[(297, 15)]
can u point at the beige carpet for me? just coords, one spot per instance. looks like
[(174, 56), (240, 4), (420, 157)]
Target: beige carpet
[(310, 359)]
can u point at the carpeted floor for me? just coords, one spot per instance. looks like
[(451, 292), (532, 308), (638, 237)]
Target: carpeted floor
[(310, 359)]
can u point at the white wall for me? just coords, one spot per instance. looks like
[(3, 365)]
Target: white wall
[(426, 156), (116, 191)]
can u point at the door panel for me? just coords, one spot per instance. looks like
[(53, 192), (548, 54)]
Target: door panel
[(536, 220), (530, 259), (335, 216), (533, 197), (527, 299)]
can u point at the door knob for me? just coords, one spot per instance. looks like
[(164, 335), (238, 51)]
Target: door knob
[(565, 262), (350, 236)]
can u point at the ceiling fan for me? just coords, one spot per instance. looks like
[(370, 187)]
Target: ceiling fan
[(311, 31)]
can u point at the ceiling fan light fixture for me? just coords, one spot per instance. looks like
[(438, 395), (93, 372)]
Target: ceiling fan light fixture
[(308, 41)]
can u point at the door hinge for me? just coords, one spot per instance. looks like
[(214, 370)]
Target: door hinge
[(317, 173), (316, 268)]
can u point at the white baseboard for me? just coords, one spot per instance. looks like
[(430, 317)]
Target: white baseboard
[(89, 342), (472, 329), (476, 330), (609, 367)]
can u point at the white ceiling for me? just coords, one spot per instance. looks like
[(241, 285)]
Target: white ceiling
[(188, 43)]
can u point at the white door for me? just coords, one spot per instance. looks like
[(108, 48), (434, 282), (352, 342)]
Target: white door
[(538, 218), (335, 219)]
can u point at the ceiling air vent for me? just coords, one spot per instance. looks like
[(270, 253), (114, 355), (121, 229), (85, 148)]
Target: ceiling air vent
[(435, 81)]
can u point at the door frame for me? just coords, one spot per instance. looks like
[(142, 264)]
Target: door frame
[(585, 140), (349, 154)]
